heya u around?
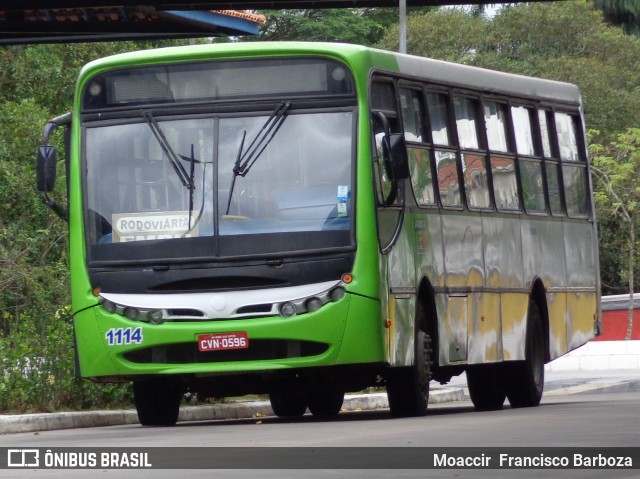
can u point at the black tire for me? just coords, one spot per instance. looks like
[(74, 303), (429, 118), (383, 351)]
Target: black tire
[(325, 403), (486, 386), (525, 379), (408, 387), (158, 401), (288, 400)]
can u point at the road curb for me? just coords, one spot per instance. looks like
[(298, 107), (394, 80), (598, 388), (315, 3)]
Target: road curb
[(23, 423)]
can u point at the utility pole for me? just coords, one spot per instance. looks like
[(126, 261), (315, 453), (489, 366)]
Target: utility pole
[(403, 25)]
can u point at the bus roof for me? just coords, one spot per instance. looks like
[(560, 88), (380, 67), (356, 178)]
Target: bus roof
[(438, 71)]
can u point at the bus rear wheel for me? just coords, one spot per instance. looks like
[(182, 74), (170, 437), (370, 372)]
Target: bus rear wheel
[(408, 387), (525, 379), (157, 401), (486, 386)]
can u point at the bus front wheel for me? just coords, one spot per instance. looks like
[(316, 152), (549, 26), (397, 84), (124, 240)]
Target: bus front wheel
[(525, 379), (288, 400), (157, 401), (327, 402), (408, 387)]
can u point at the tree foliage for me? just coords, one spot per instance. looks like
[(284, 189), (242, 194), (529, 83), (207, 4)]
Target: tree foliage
[(36, 340), (362, 26), (453, 35), (616, 166), (567, 41), (625, 13)]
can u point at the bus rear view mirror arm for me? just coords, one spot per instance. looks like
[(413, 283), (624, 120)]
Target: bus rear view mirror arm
[(46, 165)]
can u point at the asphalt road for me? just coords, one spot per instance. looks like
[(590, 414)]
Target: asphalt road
[(581, 420)]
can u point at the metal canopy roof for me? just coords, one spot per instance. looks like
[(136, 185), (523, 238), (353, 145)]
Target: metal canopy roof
[(229, 4), (88, 23), (55, 21)]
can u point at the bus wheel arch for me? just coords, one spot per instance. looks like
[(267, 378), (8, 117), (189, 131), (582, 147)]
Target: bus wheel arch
[(408, 387), (525, 379), (539, 295)]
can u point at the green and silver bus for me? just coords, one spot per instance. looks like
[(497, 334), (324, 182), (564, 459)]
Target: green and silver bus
[(304, 220)]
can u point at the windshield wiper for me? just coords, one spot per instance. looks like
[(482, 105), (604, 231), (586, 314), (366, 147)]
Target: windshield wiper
[(246, 159), (183, 176)]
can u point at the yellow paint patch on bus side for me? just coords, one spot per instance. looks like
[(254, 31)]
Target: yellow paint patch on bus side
[(485, 339), (513, 309), (475, 277), (391, 330), (581, 317), (457, 329)]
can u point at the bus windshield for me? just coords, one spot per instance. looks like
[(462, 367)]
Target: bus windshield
[(168, 180)]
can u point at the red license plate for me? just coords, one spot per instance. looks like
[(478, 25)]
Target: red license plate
[(223, 341)]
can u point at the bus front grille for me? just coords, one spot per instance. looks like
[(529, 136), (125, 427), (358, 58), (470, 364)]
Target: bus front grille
[(259, 349)]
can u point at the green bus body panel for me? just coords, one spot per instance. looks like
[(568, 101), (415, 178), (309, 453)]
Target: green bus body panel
[(348, 327)]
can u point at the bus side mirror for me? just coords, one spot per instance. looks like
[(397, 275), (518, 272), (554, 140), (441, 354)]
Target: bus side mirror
[(398, 156), (46, 169), (46, 164), (394, 149)]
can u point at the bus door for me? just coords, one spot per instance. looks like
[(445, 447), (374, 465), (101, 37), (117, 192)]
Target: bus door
[(397, 267)]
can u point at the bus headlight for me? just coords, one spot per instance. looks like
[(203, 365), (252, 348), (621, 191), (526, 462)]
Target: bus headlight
[(109, 306), (336, 294), (313, 304), (288, 309), (155, 316), (131, 313)]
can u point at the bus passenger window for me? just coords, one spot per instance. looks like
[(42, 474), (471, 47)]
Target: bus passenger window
[(532, 186), (439, 118), (505, 186), (448, 180), (475, 180), (495, 118), (574, 173), (383, 96), (575, 189), (567, 142), (421, 176), (544, 132), (466, 122), (553, 186), (522, 126), (551, 164), (411, 105)]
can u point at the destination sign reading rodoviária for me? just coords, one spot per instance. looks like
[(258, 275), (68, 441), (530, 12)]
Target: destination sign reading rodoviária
[(151, 226)]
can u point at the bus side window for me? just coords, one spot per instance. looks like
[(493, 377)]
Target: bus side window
[(505, 185), (473, 162), (411, 103), (574, 168), (411, 106), (530, 163), (444, 150), (551, 163), (383, 99)]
